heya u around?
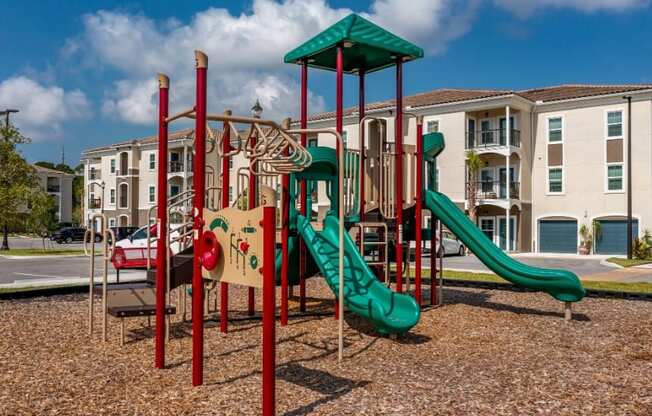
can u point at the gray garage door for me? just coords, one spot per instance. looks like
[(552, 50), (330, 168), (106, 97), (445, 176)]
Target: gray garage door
[(613, 238), (558, 236)]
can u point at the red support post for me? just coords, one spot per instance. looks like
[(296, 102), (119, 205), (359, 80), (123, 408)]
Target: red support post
[(418, 210), (361, 114), (339, 119), (398, 129), (252, 193), (161, 214), (226, 175), (304, 192), (269, 311), (199, 182)]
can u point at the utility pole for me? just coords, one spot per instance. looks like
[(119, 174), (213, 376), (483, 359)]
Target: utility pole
[(630, 222), (5, 228)]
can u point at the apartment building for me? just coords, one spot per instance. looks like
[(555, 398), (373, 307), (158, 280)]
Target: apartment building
[(553, 158), (58, 185), (121, 179)]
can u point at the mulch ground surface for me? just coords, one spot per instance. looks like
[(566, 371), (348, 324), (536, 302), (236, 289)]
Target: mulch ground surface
[(484, 352)]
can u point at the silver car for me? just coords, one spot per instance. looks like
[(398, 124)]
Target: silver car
[(451, 245)]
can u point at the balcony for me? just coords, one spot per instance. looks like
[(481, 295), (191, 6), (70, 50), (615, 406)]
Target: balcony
[(494, 190), (488, 139), (175, 167), (94, 174), (94, 203)]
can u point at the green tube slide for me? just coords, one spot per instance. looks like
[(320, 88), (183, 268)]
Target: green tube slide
[(364, 294), (563, 285)]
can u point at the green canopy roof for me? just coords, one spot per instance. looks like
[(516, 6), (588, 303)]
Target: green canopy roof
[(366, 46)]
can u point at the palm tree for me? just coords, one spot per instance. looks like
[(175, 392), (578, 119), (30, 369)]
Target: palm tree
[(473, 163)]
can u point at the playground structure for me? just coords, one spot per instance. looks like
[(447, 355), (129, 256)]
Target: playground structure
[(372, 219)]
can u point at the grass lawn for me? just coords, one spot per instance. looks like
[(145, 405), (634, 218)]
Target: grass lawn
[(628, 263), (640, 287), (41, 252)]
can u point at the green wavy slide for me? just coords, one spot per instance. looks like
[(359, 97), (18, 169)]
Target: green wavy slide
[(563, 285), (364, 294)]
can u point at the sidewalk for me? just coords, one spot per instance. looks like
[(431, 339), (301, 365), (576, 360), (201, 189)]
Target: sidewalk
[(132, 276)]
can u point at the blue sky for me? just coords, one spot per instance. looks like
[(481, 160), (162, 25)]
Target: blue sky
[(82, 73)]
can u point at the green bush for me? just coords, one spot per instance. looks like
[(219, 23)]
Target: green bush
[(641, 249)]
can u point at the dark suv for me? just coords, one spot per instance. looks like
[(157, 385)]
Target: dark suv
[(70, 234)]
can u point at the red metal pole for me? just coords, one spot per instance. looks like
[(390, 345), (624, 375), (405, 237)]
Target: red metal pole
[(226, 174), (339, 116), (304, 192), (361, 114), (252, 193), (161, 220), (418, 210), (398, 128), (269, 311), (198, 209)]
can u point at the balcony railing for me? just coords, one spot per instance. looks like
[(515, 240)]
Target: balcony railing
[(494, 190), (94, 203), (482, 139), (94, 174), (175, 167)]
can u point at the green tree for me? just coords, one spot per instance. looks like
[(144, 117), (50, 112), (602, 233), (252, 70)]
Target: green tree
[(473, 163), (17, 180), (42, 219)]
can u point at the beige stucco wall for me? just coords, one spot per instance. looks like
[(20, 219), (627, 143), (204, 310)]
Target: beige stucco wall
[(585, 196)]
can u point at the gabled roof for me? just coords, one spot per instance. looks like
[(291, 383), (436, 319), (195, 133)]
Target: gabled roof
[(441, 96), (367, 47), (452, 95), (570, 91)]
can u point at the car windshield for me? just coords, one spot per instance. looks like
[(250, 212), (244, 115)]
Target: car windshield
[(139, 234)]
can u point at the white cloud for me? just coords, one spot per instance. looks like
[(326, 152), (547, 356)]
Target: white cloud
[(245, 51), (525, 8), (43, 109)]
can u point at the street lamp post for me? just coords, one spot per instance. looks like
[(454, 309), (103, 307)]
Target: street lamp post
[(630, 221), (5, 231)]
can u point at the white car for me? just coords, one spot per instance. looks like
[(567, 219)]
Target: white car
[(451, 245), (138, 239)]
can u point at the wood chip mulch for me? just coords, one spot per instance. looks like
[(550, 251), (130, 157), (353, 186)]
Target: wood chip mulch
[(485, 352)]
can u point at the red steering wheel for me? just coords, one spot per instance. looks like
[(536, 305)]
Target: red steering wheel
[(210, 250)]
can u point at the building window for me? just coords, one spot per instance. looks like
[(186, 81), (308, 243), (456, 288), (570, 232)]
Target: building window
[(152, 193), (111, 222), (555, 130), (230, 163), (432, 126), (112, 167), (152, 161), (92, 173), (614, 124), (124, 195), (230, 193), (174, 190), (112, 196), (555, 180), (344, 138), (312, 142), (615, 177)]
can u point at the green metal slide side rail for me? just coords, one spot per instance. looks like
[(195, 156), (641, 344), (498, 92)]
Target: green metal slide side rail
[(364, 295), (563, 285)]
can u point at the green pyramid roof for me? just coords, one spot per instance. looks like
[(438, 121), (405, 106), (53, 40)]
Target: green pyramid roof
[(366, 46)]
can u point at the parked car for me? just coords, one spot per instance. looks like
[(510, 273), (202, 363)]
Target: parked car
[(71, 234), (122, 232), (451, 245), (138, 239)]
